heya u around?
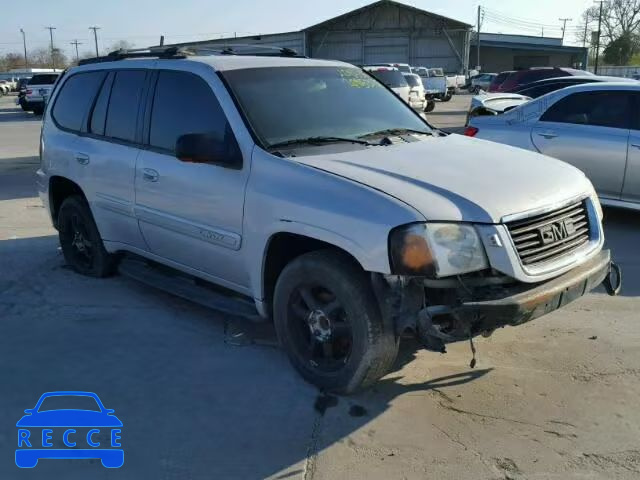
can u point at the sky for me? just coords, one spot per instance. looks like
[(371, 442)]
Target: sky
[(141, 22)]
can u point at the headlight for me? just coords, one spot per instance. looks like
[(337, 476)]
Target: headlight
[(436, 250)]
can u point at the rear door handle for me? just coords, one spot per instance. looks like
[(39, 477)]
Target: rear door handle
[(150, 175), (548, 135), (82, 158)]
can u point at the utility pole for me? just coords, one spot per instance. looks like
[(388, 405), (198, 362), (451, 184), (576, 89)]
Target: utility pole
[(586, 27), (598, 42), (478, 39), (564, 26), (53, 57), (95, 37), (76, 43), (24, 42)]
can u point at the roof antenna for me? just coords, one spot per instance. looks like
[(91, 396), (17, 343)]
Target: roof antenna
[(162, 40)]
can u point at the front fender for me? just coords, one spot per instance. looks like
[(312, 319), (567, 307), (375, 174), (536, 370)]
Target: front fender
[(284, 196)]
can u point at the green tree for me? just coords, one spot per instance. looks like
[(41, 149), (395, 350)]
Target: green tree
[(620, 26), (621, 50)]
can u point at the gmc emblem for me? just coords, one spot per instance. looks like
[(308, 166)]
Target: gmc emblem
[(556, 232)]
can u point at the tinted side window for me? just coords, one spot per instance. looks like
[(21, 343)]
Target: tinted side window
[(126, 95), (75, 98), (183, 103), (99, 115), (604, 109)]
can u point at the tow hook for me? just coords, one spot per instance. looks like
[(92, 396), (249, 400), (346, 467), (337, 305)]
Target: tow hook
[(613, 282)]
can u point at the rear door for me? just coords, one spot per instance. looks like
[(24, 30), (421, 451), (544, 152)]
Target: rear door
[(190, 213), (108, 153), (590, 130), (631, 186)]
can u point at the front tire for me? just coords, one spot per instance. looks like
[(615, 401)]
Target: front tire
[(80, 240), (328, 320)]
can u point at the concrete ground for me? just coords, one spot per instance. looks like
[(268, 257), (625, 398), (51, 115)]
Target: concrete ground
[(205, 396)]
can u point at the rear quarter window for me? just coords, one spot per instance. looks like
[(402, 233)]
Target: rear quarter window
[(75, 99), (43, 79)]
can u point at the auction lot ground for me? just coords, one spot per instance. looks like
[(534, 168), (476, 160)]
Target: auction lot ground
[(206, 396)]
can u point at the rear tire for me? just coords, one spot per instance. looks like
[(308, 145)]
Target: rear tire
[(38, 110), (447, 97), (431, 105), (328, 321), (80, 240)]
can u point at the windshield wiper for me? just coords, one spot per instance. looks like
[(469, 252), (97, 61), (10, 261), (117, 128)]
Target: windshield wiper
[(317, 141), (395, 131)]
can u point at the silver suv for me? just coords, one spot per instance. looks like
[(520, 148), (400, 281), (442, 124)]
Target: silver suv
[(309, 190)]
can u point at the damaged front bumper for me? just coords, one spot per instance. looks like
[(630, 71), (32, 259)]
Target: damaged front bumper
[(484, 309), (438, 325)]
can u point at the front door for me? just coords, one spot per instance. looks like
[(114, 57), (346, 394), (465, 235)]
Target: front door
[(589, 130), (190, 213)]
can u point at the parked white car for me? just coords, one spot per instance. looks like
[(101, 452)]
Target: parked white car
[(417, 98), (392, 78), (5, 88), (38, 90), (593, 126)]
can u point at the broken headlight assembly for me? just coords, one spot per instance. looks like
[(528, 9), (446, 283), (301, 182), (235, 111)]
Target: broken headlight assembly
[(436, 250)]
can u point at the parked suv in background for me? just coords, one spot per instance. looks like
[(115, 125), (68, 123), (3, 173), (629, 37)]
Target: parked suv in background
[(347, 219), (38, 91)]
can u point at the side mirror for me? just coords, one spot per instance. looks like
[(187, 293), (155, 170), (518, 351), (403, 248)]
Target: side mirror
[(109, 411), (206, 148), (29, 410)]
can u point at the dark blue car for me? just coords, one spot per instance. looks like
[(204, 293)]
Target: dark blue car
[(36, 430)]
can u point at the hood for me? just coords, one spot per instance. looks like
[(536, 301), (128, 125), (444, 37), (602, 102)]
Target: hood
[(457, 178)]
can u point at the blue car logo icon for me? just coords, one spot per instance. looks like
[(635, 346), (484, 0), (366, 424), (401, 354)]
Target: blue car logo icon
[(92, 431)]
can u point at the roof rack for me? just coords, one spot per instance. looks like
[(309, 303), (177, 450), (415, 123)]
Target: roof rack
[(249, 50), (167, 53)]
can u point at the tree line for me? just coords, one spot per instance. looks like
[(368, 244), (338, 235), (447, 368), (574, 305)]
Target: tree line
[(45, 58)]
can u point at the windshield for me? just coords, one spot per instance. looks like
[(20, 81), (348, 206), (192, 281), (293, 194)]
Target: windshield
[(403, 68), (288, 103), (413, 80), (47, 79), (391, 78)]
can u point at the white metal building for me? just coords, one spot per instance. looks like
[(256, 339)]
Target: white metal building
[(382, 32)]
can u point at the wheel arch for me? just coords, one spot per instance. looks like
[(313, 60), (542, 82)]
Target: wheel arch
[(61, 188), (282, 248)]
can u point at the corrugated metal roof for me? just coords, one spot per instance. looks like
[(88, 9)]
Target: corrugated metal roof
[(386, 2)]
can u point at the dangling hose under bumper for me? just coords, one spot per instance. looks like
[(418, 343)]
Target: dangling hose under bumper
[(613, 282)]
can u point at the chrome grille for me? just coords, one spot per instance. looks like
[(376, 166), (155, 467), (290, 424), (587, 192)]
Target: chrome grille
[(546, 237)]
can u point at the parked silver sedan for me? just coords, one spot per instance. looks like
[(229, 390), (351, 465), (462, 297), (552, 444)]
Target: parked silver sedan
[(595, 127)]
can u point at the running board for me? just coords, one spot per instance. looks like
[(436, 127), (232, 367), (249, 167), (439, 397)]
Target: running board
[(187, 287)]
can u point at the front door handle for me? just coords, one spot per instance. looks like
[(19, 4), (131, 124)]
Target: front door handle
[(548, 135), (82, 158), (150, 175), (635, 145)]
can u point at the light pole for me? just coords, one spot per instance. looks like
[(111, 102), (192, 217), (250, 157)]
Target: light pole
[(76, 43), (24, 42), (53, 57), (564, 26), (95, 37), (598, 42)]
